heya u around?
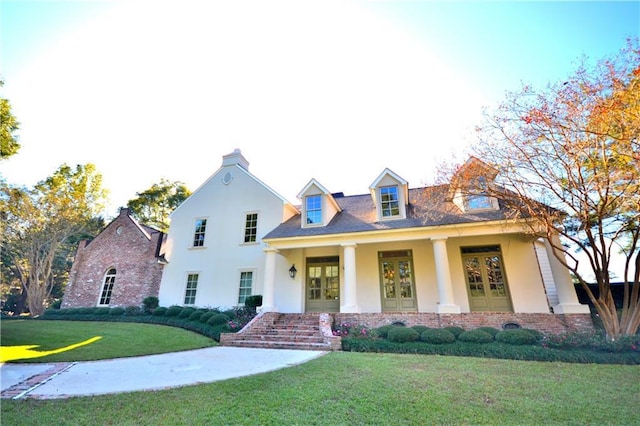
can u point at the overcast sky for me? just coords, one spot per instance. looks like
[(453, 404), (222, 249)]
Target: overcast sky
[(331, 90)]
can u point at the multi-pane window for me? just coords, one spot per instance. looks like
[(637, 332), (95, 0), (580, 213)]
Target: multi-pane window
[(389, 203), (314, 209), (251, 228), (246, 283), (107, 287), (192, 287), (480, 200), (198, 236)]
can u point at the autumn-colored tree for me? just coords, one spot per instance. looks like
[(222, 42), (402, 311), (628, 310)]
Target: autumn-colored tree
[(8, 126), (574, 146), (153, 206), (38, 223)]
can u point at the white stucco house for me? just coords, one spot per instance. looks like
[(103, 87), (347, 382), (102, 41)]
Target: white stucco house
[(394, 252)]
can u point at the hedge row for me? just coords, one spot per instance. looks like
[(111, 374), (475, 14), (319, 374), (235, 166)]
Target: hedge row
[(209, 322), (490, 342), (491, 350)]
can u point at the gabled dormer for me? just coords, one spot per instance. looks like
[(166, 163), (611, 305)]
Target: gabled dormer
[(470, 187), (318, 205), (390, 195)]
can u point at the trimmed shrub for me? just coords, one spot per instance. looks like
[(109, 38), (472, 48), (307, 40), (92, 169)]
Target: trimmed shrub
[(195, 315), (420, 328), (102, 311), (402, 334), (231, 313), (53, 312), (116, 311), (133, 311), (87, 311), (475, 336), (173, 311), (186, 312), (537, 334), (218, 319), (455, 330), (150, 303), (160, 311), (437, 336), (252, 302), (205, 316), (489, 330), (383, 331), (516, 337)]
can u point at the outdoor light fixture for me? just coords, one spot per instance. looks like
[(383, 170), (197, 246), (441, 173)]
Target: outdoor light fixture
[(293, 271)]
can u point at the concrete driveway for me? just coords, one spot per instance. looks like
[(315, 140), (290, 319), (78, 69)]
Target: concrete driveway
[(153, 372)]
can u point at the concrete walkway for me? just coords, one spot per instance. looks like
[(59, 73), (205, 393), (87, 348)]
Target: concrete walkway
[(153, 372)]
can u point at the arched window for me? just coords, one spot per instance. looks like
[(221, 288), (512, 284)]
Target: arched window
[(107, 287)]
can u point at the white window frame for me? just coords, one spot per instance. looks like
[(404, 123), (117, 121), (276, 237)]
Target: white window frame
[(104, 291), (194, 289), (246, 228), (240, 282), (388, 204), (196, 233), (320, 210)]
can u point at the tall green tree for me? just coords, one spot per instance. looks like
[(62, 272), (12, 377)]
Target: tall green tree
[(39, 223), (575, 146), (153, 206), (8, 126)]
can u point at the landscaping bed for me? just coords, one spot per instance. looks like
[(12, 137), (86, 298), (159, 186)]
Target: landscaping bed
[(488, 342)]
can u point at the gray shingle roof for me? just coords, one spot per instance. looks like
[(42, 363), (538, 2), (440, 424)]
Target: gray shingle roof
[(427, 207)]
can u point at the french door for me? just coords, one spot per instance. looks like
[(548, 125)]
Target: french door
[(323, 284), (486, 282), (397, 281)]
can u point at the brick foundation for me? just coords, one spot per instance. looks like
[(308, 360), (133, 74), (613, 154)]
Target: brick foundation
[(543, 322)]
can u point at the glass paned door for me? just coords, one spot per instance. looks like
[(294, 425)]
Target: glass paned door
[(397, 281), (486, 283), (323, 287)]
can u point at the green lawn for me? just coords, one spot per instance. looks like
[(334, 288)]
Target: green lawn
[(370, 389), (117, 339), (338, 389)]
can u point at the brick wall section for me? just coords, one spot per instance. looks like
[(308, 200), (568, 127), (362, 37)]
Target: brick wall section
[(131, 252), (327, 333), (546, 323)]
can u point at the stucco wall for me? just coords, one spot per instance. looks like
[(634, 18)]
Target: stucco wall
[(224, 254)]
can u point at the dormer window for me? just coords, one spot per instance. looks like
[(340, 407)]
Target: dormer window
[(319, 206), (470, 187), (479, 200), (390, 194), (314, 209), (389, 203)]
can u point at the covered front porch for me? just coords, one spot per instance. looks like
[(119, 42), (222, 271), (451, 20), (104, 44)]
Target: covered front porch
[(440, 274)]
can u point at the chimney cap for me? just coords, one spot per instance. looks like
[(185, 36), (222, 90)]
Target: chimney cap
[(235, 158)]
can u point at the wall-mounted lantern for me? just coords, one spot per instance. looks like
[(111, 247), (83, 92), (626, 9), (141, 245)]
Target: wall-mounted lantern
[(293, 271)]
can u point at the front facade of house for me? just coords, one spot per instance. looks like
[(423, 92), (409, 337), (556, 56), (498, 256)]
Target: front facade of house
[(214, 248), (394, 252), (120, 267)]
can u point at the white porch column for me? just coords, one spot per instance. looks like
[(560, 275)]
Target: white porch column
[(268, 287), (446, 304), (349, 301), (567, 296)]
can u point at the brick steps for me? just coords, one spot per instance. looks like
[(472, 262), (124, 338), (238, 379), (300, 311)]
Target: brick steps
[(281, 331)]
